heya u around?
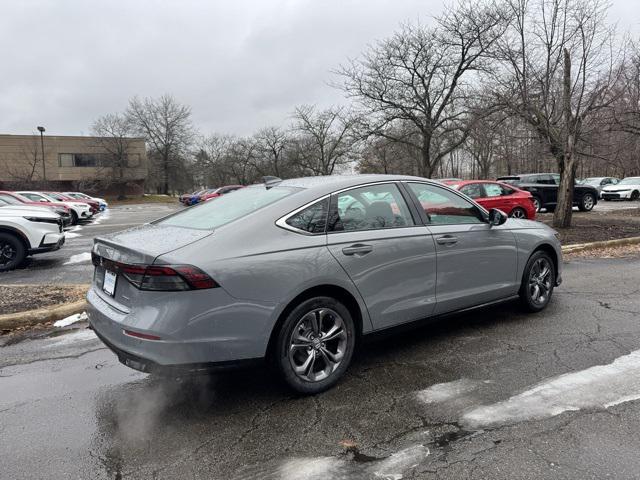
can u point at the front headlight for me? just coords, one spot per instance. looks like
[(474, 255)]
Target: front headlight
[(42, 219)]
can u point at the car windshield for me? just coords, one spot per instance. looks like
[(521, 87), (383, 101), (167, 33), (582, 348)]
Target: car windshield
[(227, 208), (630, 181), (591, 181), (10, 200)]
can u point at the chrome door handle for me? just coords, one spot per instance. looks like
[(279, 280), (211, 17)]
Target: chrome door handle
[(357, 249), (447, 240)]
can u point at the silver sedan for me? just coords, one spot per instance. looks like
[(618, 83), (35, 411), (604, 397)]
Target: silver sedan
[(295, 271)]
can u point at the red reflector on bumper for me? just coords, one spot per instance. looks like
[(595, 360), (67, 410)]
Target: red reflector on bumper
[(144, 336)]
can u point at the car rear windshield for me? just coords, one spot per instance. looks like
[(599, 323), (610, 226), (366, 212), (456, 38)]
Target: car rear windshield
[(227, 208)]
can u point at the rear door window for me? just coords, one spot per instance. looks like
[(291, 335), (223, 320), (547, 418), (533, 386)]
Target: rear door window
[(312, 219), (496, 190), (369, 208), (473, 190)]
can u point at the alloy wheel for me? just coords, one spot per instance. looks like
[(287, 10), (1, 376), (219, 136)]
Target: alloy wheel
[(518, 213), (7, 253), (587, 202), (317, 344), (536, 204), (540, 281)]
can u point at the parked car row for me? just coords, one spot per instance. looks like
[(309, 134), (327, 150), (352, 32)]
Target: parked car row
[(203, 195), (33, 222)]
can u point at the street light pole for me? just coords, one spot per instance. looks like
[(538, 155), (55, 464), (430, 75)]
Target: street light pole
[(44, 169)]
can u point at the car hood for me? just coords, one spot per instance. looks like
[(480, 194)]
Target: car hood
[(18, 210), (145, 243), (618, 188), (521, 223)]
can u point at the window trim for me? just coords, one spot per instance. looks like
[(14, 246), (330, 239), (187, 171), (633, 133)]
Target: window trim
[(417, 220), (282, 221), (484, 214)]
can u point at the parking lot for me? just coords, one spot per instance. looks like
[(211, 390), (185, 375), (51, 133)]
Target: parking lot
[(456, 399), (490, 394), (72, 263)]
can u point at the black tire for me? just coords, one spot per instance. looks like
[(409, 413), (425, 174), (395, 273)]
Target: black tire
[(527, 288), (12, 251), (537, 203), (74, 218), (587, 202), (518, 212), (634, 195), (310, 345)]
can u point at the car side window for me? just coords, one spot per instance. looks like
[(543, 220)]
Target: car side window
[(312, 219), (369, 208), (473, 190), (495, 190), (444, 207)]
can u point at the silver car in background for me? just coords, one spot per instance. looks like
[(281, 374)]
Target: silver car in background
[(294, 271)]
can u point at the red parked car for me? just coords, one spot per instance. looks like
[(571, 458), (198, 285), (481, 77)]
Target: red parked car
[(511, 200), (93, 204), (209, 194)]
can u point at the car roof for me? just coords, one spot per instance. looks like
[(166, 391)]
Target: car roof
[(330, 183)]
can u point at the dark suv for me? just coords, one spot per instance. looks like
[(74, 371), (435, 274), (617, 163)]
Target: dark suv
[(544, 189)]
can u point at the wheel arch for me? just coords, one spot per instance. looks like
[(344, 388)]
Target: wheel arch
[(339, 293), (21, 236), (549, 250)]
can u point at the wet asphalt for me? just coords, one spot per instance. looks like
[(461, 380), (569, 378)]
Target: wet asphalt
[(68, 409)]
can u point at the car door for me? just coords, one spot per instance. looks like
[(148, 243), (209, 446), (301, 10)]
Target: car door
[(385, 250), (477, 263)]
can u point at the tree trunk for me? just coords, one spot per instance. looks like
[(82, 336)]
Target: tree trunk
[(567, 163), (425, 157), (165, 165)]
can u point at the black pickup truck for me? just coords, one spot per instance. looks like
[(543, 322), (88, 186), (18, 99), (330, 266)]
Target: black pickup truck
[(544, 189)]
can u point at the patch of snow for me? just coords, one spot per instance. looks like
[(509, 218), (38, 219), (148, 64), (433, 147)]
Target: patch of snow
[(319, 468), (79, 258), (394, 466), (69, 235), (601, 386), (76, 228), (76, 317), (441, 392)]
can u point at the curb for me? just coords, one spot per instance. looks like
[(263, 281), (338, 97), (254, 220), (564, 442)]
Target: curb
[(41, 315), (51, 313), (602, 244)]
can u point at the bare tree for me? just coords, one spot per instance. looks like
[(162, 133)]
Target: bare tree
[(114, 135), (271, 144), (416, 81), (166, 125), (559, 67), (325, 140), (28, 168)]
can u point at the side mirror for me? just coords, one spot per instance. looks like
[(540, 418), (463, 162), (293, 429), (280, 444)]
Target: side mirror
[(497, 217)]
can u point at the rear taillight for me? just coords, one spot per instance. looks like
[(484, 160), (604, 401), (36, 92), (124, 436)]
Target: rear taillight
[(166, 278)]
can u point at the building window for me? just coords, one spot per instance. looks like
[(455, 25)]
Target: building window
[(87, 160)]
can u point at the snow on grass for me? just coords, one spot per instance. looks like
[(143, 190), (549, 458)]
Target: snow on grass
[(601, 386), (76, 317), (441, 392), (79, 258)]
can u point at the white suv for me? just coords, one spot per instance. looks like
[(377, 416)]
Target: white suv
[(26, 231), (79, 210)]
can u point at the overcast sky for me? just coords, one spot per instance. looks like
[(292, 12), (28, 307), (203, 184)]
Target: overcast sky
[(240, 64)]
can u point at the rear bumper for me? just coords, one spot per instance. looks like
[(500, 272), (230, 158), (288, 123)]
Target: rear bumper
[(149, 366), (188, 341)]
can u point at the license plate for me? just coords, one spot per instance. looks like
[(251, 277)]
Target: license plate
[(109, 283)]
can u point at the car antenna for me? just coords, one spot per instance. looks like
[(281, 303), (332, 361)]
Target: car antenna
[(270, 181)]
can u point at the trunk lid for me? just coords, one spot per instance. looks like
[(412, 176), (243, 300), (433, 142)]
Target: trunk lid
[(137, 246)]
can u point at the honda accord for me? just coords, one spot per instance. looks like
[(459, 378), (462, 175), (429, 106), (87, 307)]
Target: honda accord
[(296, 271)]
